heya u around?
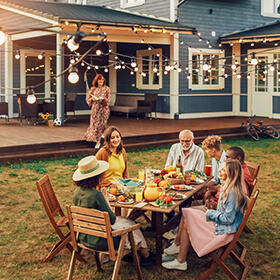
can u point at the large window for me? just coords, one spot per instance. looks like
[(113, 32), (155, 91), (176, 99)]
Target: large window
[(149, 63), (271, 8), (39, 72), (209, 78), (131, 3)]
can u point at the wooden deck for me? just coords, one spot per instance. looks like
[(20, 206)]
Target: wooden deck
[(30, 141)]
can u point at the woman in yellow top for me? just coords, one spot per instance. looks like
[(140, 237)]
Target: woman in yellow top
[(114, 153)]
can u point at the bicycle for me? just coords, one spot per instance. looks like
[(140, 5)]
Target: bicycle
[(255, 130)]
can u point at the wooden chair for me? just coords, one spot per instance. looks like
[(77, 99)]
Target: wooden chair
[(222, 253), (97, 223), (254, 171), (52, 208)]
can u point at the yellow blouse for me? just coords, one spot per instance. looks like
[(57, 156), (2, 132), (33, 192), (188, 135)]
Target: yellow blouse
[(116, 167)]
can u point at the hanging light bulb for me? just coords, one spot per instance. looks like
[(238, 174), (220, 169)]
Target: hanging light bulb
[(2, 37), (220, 45), (245, 59), (149, 48), (186, 68), (31, 98), (254, 61), (155, 69), (234, 73), (74, 42), (167, 66), (225, 76), (179, 69), (272, 67), (131, 73), (188, 76), (206, 79), (98, 52), (205, 66), (133, 62), (73, 76), (199, 39), (248, 76), (252, 44), (106, 70), (72, 60), (231, 44), (136, 69), (264, 79), (17, 55), (96, 67), (165, 72), (238, 76), (142, 41), (41, 55), (82, 64)]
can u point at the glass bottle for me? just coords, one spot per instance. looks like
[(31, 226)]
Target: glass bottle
[(179, 166)]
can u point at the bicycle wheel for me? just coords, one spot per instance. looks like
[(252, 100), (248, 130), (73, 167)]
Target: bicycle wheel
[(253, 133), (272, 132)]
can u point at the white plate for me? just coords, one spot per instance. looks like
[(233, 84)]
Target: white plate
[(126, 202), (156, 171), (187, 188), (183, 196), (199, 181)]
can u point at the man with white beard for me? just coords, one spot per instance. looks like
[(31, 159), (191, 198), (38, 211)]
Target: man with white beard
[(192, 156)]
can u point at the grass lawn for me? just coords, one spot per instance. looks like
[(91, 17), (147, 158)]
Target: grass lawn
[(26, 235)]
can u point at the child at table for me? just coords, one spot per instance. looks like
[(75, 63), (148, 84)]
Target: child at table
[(209, 231), (87, 178)]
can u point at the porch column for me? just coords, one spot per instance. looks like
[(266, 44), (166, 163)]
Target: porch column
[(9, 75), (174, 77), (59, 80), (113, 75), (236, 83)]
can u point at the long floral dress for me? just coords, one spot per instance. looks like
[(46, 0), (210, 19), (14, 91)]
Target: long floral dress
[(100, 112)]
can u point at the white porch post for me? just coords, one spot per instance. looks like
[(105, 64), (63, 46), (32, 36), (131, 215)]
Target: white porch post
[(9, 74), (236, 83), (113, 74), (59, 80), (174, 77)]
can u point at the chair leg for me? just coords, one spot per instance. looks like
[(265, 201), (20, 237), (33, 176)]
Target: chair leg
[(97, 261), (248, 230), (135, 256), (119, 258), (72, 265)]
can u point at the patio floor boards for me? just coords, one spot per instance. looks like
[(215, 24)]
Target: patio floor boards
[(30, 142)]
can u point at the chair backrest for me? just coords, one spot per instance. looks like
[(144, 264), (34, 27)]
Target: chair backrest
[(3, 108), (49, 201), (151, 98), (254, 171), (241, 228), (90, 221)]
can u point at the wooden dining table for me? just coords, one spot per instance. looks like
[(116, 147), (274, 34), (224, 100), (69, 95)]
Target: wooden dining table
[(157, 214)]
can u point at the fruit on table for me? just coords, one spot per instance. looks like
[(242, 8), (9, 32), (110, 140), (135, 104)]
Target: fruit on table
[(121, 198), (163, 184), (157, 181), (164, 200), (163, 172), (193, 177), (170, 168)]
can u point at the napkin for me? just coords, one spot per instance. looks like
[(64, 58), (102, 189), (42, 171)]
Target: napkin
[(129, 182)]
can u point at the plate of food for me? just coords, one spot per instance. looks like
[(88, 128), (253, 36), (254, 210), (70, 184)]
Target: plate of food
[(156, 171), (125, 200), (177, 196), (181, 187)]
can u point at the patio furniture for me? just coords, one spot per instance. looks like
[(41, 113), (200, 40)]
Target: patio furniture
[(157, 216), (148, 105), (69, 102), (4, 111), (254, 171), (97, 223), (126, 104), (53, 208), (29, 111), (219, 258)]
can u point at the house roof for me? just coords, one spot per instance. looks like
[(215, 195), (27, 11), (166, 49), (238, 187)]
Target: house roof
[(59, 12), (266, 30)]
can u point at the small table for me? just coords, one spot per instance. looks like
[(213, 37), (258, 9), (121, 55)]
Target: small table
[(157, 215)]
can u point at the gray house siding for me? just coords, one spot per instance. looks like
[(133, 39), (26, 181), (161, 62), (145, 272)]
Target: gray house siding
[(160, 8), (276, 104)]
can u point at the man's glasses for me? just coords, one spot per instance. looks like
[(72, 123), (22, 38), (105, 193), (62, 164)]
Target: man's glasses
[(185, 141)]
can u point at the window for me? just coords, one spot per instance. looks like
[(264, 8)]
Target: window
[(270, 8), (131, 3), (37, 71), (81, 2), (206, 79), (149, 63), (261, 74)]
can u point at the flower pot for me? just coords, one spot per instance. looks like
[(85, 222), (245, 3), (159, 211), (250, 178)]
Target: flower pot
[(49, 123)]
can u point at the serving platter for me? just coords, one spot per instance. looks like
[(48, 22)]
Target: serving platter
[(181, 187)]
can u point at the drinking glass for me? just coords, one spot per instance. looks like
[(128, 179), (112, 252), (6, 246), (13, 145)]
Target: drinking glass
[(138, 194), (208, 169), (141, 174)]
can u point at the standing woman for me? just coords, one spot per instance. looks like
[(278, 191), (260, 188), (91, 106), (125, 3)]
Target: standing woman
[(114, 153), (99, 100)]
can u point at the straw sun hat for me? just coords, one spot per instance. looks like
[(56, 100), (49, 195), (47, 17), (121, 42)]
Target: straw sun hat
[(89, 167)]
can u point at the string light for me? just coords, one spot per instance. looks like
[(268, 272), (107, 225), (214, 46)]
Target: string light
[(41, 55), (73, 76), (17, 55), (254, 61), (98, 52)]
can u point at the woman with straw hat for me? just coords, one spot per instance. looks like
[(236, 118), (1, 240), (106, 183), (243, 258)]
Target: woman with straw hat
[(87, 177)]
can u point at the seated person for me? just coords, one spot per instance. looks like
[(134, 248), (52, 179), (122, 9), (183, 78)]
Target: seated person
[(87, 178), (234, 153), (114, 153), (209, 231), (192, 156), (213, 146)]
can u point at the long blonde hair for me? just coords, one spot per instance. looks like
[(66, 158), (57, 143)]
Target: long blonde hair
[(235, 182)]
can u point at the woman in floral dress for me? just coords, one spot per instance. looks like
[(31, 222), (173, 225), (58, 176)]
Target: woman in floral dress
[(99, 100)]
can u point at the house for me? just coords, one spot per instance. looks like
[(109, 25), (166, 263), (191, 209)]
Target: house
[(172, 43)]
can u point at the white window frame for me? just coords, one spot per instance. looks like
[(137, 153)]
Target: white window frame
[(139, 78), (47, 74), (269, 8), (200, 85), (79, 2), (131, 3)]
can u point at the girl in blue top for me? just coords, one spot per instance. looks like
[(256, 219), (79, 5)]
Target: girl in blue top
[(209, 231)]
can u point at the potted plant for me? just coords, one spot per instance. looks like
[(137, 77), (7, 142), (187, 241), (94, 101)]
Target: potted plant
[(48, 119)]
